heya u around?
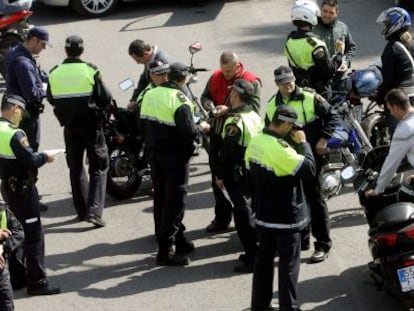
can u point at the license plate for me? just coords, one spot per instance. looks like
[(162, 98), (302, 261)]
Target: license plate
[(406, 277), (357, 112)]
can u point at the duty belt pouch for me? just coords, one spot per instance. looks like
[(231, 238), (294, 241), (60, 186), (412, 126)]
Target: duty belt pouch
[(20, 186)]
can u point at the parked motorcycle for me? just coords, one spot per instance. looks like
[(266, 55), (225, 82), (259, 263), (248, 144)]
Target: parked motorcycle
[(201, 113), (390, 218), (13, 30), (127, 165)]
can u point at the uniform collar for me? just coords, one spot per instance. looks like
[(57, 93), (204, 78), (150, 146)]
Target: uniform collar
[(72, 60), (244, 108)]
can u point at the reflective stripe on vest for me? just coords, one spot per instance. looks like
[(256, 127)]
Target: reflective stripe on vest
[(300, 52), (267, 152), (249, 124), (306, 112), (6, 134), (3, 219), (161, 103), (282, 226), (70, 80)]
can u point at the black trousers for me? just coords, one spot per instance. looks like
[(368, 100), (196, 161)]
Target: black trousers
[(222, 207), (320, 225), (88, 196), (170, 180), (31, 126), (288, 246), (6, 291), (243, 218), (26, 208)]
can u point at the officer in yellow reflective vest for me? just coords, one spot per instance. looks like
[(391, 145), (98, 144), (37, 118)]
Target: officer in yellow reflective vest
[(11, 237), (275, 173), (18, 171), (242, 124), (169, 132), (306, 53), (78, 95), (319, 123)]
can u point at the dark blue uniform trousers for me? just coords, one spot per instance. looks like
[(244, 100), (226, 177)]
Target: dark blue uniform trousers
[(288, 246)]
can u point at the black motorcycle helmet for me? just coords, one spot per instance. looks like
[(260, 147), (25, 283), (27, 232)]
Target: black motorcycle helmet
[(406, 191)]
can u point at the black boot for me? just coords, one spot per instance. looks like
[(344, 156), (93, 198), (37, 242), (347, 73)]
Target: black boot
[(183, 247), (41, 287), (166, 257)]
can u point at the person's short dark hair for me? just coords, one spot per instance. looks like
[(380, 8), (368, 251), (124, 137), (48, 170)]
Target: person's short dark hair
[(397, 97), (285, 113), (138, 48), (228, 57), (244, 89), (333, 3), (74, 46), (178, 72), (12, 100)]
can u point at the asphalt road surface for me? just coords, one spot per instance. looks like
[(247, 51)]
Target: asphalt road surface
[(113, 268)]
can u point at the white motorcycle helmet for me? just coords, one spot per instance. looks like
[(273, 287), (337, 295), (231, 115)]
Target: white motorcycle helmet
[(306, 11)]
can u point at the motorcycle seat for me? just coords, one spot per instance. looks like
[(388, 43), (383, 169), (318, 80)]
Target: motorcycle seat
[(393, 215)]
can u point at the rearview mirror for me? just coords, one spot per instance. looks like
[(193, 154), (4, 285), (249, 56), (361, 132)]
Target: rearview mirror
[(126, 84), (195, 47)]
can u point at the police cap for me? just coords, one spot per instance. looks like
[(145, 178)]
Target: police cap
[(15, 100), (286, 113), (74, 41), (284, 74), (178, 71), (40, 33), (158, 67), (242, 86)]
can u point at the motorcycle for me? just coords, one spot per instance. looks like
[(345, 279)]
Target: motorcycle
[(127, 164), (391, 227), (13, 30), (201, 114), (346, 147)]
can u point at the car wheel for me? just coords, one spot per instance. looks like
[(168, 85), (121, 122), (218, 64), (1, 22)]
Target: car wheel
[(93, 8)]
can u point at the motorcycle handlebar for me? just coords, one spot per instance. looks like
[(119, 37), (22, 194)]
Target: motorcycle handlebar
[(194, 70)]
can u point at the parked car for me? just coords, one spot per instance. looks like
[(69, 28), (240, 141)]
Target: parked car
[(87, 8)]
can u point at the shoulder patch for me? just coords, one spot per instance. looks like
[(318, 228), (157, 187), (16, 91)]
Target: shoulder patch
[(181, 97), (24, 142), (311, 41), (283, 143), (237, 118), (319, 53), (232, 130), (309, 89)]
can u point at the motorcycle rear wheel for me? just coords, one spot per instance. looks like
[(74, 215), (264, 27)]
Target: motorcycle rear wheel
[(124, 176)]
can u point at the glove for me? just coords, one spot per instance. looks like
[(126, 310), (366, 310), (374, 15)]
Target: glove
[(43, 76)]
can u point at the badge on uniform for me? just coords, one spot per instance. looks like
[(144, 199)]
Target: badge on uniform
[(181, 97), (24, 142), (283, 143), (232, 130)]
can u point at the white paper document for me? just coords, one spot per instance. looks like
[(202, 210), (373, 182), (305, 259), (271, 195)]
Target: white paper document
[(53, 152)]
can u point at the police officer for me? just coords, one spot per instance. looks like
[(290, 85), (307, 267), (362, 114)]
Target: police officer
[(11, 237), (144, 53), (24, 78), (78, 95), (18, 171), (243, 124), (169, 132), (337, 37), (217, 94), (275, 171), (306, 53), (319, 123)]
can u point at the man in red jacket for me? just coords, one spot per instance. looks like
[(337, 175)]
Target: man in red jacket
[(217, 93)]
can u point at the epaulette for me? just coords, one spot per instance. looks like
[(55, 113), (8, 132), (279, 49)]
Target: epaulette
[(53, 68), (181, 97), (309, 89), (311, 41), (283, 142), (92, 65), (236, 119)]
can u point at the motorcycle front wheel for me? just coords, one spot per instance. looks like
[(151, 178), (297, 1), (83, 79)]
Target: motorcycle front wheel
[(125, 172)]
